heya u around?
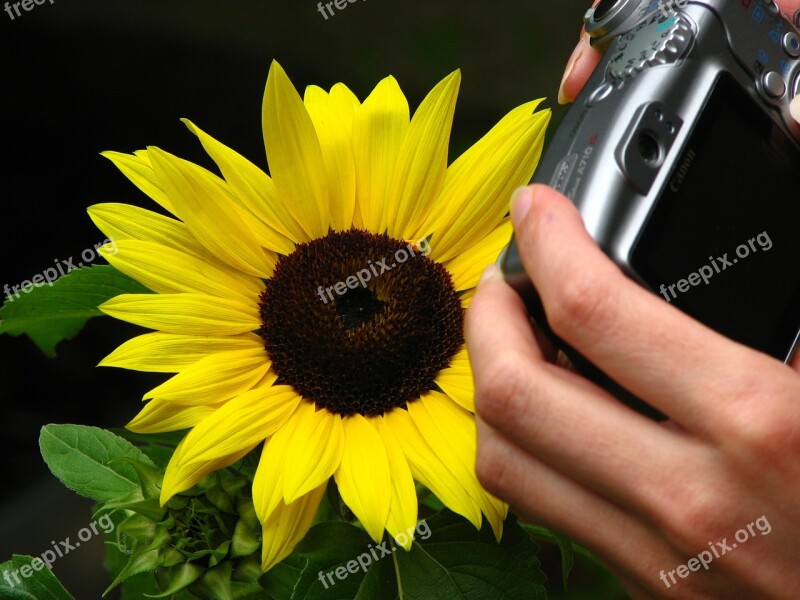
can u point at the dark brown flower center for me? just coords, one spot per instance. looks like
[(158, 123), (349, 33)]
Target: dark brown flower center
[(359, 322)]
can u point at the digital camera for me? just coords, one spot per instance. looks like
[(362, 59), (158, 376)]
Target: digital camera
[(683, 160)]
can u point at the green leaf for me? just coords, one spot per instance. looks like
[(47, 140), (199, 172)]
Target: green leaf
[(327, 547), (281, 579), (87, 460), (456, 561), (564, 544), (158, 446), (58, 311), (7, 593), (30, 580), (453, 560), (380, 582)]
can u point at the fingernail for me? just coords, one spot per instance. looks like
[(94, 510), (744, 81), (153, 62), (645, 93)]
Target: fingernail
[(576, 54), (491, 272), (521, 201), (794, 108)]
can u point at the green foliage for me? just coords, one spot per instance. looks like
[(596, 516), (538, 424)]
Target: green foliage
[(206, 542), (31, 579), (88, 460), (563, 542), (455, 561), (52, 313)]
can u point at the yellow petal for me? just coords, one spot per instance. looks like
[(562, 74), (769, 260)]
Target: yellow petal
[(379, 128), (138, 169), (314, 453), (170, 353), (478, 185), (364, 477), (429, 469), (126, 222), (302, 455), (269, 378), (178, 479), (188, 314), (450, 430), (216, 377), (403, 510), (422, 162), (345, 103), (214, 217), (294, 154), (161, 415), (226, 435), (238, 425), (456, 381), (287, 525), (335, 140), (167, 271), (467, 267), (255, 190), (466, 298)]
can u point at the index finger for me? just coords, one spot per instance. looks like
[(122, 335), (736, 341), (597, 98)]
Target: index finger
[(580, 66)]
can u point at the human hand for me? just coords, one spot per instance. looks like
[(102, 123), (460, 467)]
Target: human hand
[(646, 497), (584, 59)]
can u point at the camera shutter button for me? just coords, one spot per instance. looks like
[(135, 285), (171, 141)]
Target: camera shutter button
[(773, 83), (791, 44)]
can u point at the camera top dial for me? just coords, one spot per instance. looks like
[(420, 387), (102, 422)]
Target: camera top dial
[(660, 39)]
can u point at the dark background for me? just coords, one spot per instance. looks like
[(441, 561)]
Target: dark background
[(83, 76)]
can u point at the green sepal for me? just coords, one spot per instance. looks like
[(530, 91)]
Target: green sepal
[(175, 579), (138, 526), (248, 569), (217, 582), (147, 508), (139, 563), (247, 512), (244, 541), (150, 478)]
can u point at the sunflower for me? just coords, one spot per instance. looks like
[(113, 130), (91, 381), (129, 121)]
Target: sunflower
[(320, 310)]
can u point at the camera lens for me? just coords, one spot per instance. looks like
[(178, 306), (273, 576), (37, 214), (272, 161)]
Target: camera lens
[(604, 7), (649, 148)]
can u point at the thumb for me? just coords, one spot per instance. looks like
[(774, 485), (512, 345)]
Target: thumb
[(794, 108)]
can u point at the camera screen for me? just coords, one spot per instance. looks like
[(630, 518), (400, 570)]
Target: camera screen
[(723, 243)]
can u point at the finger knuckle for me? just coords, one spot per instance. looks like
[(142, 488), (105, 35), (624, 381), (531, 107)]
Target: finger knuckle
[(694, 515), (579, 303), (766, 433), (501, 391), (492, 466)]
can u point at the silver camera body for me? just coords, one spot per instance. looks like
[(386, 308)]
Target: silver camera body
[(679, 152)]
